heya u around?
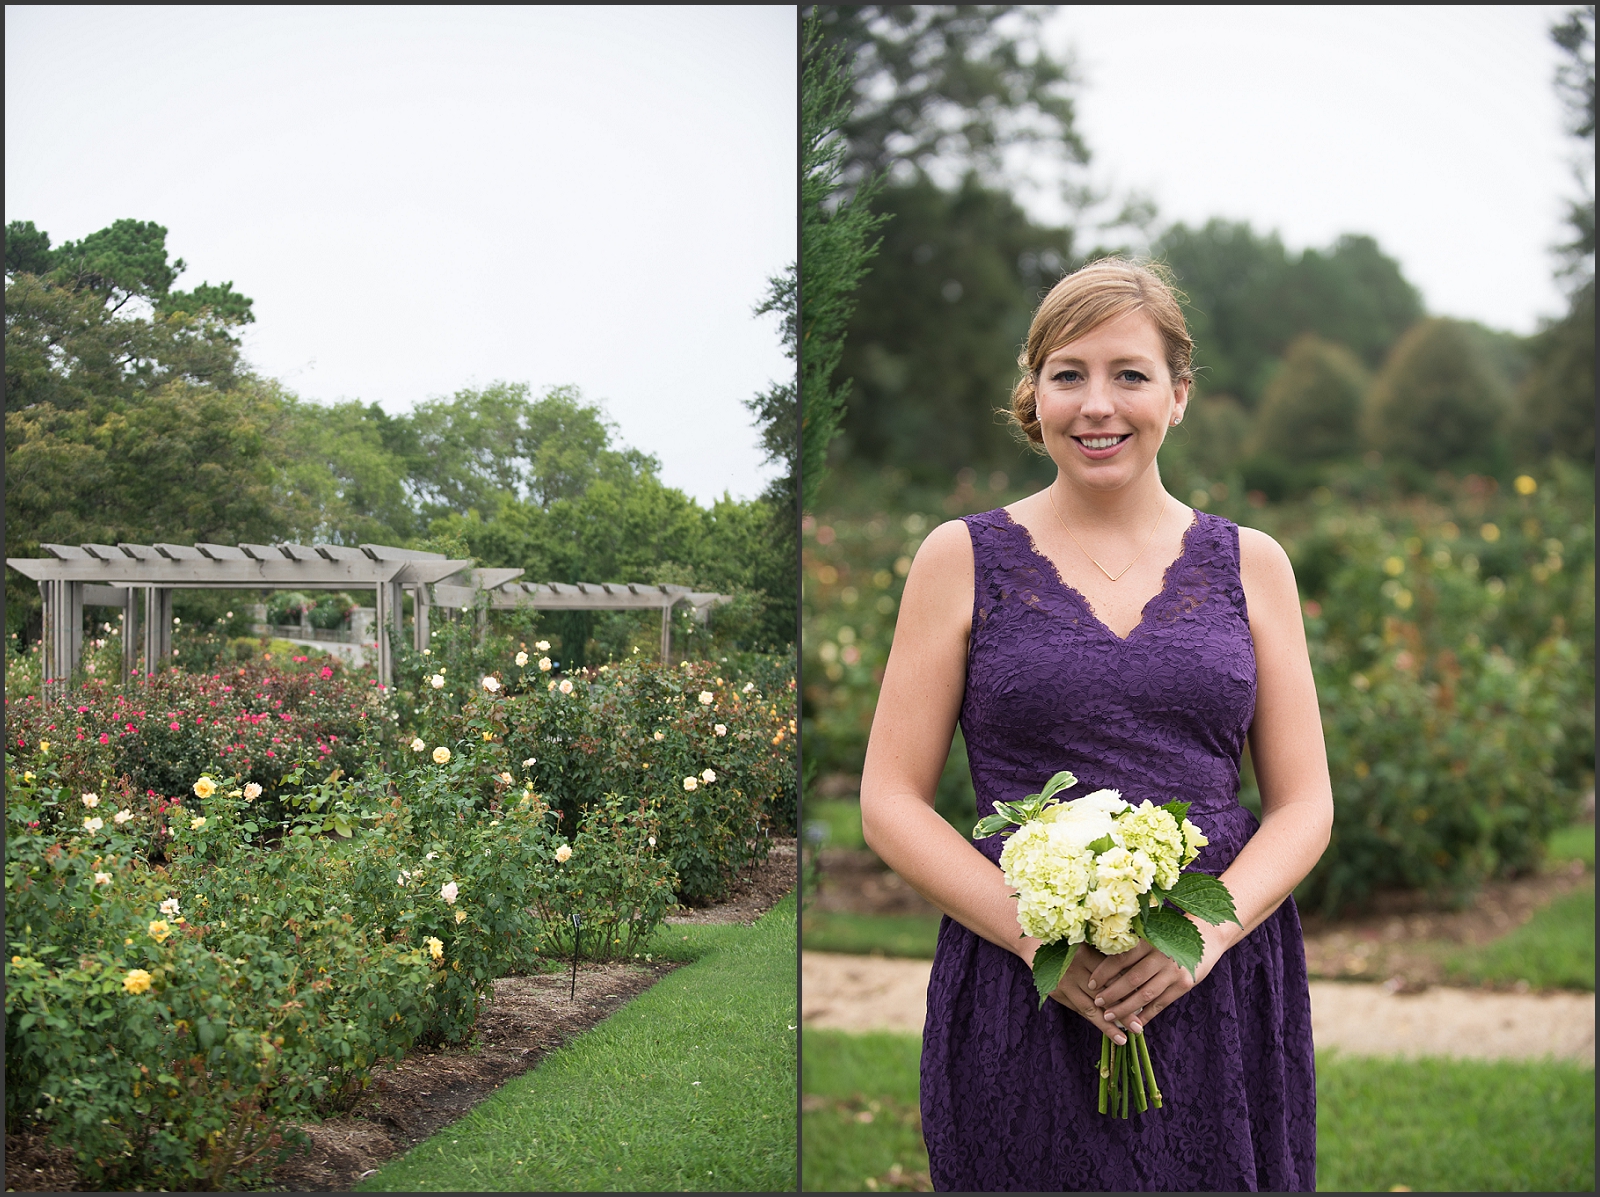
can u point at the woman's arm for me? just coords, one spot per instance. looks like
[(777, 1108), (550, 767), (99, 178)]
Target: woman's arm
[(1291, 767), (923, 685)]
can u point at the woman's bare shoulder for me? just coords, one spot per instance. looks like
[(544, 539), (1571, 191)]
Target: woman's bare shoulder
[(942, 571), (1266, 574)]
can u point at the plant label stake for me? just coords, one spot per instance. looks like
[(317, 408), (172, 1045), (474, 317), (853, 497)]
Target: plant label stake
[(577, 929)]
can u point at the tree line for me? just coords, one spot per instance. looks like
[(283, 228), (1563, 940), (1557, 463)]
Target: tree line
[(130, 416), (1304, 360)]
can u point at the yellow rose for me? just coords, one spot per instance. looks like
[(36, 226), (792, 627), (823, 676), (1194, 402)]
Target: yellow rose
[(159, 931), (435, 947), (137, 981), (441, 755), (204, 788)]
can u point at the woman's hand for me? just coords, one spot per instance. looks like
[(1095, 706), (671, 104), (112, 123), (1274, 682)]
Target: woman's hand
[(1131, 988)]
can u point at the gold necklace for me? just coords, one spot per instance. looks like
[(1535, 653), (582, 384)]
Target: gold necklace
[(1051, 492)]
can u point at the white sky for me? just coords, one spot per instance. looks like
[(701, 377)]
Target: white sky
[(423, 199), (1434, 129)]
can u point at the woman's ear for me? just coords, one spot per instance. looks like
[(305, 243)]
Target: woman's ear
[(1180, 395)]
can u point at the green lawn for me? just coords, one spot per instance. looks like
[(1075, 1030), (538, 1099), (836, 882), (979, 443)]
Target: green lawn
[(1552, 950), (691, 1086), (1440, 1125), (911, 935), (841, 818), (1573, 843)]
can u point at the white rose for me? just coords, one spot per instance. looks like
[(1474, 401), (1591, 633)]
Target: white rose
[(691, 784), (417, 745), (448, 892), (721, 729), (491, 684), (564, 853), (522, 659), (437, 681), (91, 800), (707, 698), (544, 665), (708, 776), (543, 646)]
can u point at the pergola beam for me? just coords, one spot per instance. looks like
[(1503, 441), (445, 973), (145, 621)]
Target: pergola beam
[(108, 575)]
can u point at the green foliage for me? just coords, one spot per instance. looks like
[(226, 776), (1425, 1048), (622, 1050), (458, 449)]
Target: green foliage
[(176, 1051), (1555, 404), (152, 739), (691, 1086), (837, 243), (951, 86), (1451, 637), (1248, 299), (1311, 409), (640, 729), (138, 422), (1438, 401), (933, 343), (313, 947)]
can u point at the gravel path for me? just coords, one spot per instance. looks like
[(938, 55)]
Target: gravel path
[(867, 993)]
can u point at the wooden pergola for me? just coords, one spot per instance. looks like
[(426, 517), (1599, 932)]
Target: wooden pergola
[(139, 580)]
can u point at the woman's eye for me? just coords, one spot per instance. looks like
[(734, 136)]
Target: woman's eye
[(1065, 376), (1131, 376)]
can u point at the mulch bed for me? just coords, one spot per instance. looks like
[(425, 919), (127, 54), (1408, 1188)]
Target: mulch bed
[(431, 1088)]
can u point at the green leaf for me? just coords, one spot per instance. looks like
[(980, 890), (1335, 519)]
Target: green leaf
[(1104, 844), (1061, 781), (1050, 964), (1178, 810), (987, 827), (1175, 935), (1204, 897)]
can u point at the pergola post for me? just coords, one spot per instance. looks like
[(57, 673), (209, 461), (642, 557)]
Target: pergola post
[(666, 634), (388, 623), (63, 634), (130, 634), (157, 627), (420, 632)]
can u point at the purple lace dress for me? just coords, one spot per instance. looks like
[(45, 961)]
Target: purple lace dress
[(1008, 1090)]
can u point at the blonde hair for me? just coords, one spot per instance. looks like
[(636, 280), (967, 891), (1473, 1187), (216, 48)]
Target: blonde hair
[(1097, 294)]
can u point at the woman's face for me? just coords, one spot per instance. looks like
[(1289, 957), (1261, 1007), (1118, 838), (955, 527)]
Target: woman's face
[(1105, 402)]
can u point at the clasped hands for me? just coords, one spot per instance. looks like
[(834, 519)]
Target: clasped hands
[(1124, 992)]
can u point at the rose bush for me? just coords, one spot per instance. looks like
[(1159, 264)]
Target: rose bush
[(640, 729)]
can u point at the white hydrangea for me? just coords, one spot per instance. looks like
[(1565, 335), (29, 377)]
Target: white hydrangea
[(1153, 831), (1193, 840), (1052, 876)]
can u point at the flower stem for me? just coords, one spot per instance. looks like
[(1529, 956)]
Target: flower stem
[(1105, 1069), (1149, 1069), (1140, 1101)]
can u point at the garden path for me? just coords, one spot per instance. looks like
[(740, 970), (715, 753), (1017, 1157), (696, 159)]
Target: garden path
[(868, 993)]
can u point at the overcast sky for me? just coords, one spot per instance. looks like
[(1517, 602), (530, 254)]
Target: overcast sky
[(1434, 129), (425, 199)]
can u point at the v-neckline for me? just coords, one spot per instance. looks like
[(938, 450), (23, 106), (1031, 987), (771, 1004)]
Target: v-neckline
[(1074, 592)]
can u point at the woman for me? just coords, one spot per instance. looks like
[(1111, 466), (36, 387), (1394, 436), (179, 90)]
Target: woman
[(1103, 627)]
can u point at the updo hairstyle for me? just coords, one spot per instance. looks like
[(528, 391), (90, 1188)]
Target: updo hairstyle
[(1097, 294)]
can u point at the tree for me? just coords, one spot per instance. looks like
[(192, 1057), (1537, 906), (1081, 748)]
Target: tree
[(128, 416), (837, 242), (1556, 403), (1248, 298), (463, 452), (933, 343), (948, 88), (1311, 411), (774, 556), (1439, 401)]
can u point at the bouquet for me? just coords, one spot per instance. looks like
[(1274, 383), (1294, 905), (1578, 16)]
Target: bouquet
[(1098, 870)]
